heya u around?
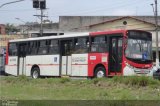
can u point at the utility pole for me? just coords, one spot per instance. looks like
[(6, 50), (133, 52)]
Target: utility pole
[(41, 27), (156, 22), (40, 4)]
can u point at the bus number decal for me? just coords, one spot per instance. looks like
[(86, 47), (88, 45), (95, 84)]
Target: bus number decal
[(13, 59), (55, 59), (78, 59), (104, 59), (92, 57)]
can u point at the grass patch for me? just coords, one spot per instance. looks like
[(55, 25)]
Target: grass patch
[(64, 80), (116, 88), (139, 81), (20, 79)]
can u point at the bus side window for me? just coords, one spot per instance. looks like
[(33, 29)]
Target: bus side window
[(12, 49), (29, 48), (53, 47), (42, 47), (81, 45), (99, 44), (33, 47), (120, 48)]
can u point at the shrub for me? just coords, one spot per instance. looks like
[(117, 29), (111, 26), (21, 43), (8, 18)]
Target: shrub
[(9, 79), (117, 79), (135, 80), (23, 78), (143, 81), (97, 80), (64, 80)]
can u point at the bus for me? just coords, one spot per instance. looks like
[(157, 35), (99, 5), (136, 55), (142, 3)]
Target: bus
[(2, 60), (93, 54)]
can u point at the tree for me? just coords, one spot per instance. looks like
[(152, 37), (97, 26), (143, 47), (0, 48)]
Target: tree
[(11, 29)]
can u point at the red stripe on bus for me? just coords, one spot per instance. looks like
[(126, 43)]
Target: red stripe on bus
[(79, 64), (43, 64), (12, 65)]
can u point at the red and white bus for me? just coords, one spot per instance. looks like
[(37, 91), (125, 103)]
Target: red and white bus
[(95, 54)]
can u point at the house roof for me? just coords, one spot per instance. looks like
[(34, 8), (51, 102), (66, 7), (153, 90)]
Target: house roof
[(119, 18), (2, 25)]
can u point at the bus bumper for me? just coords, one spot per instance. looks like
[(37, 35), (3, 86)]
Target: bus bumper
[(131, 71)]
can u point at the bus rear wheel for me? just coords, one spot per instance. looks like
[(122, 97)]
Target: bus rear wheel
[(100, 72), (35, 73)]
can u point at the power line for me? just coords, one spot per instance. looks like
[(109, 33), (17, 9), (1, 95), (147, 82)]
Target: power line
[(10, 3), (91, 10), (17, 10), (94, 10), (97, 7), (63, 11), (116, 5)]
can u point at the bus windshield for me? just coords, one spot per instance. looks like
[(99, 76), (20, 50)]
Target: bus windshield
[(139, 49)]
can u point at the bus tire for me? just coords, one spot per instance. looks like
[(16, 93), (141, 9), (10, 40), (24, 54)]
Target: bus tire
[(100, 72), (35, 73)]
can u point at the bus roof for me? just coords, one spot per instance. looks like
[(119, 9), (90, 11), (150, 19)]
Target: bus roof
[(72, 35), (107, 32), (52, 37)]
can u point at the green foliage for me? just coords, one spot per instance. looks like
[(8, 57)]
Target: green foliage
[(9, 79), (10, 28), (96, 80), (116, 88), (49, 80), (140, 81), (65, 80), (23, 78), (20, 79)]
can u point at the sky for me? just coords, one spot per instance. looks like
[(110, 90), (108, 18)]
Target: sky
[(55, 8)]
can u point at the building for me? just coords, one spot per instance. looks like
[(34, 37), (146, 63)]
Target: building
[(33, 29), (2, 29), (81, 23)]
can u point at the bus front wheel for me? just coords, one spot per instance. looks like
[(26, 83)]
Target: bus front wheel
[(100, 72), (35, 73)]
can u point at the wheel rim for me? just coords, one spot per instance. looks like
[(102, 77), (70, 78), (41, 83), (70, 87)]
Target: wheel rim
[(100, 74), (35, 74)]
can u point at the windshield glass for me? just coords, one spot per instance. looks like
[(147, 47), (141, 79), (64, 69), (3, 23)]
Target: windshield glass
[(139, 49)]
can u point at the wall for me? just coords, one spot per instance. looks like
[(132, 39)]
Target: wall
[(73, 23), (5, 38), (2, 29), (118, 24)]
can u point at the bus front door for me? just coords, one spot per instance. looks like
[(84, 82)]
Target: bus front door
[(22, 59), (115, 56), (66, 48)]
